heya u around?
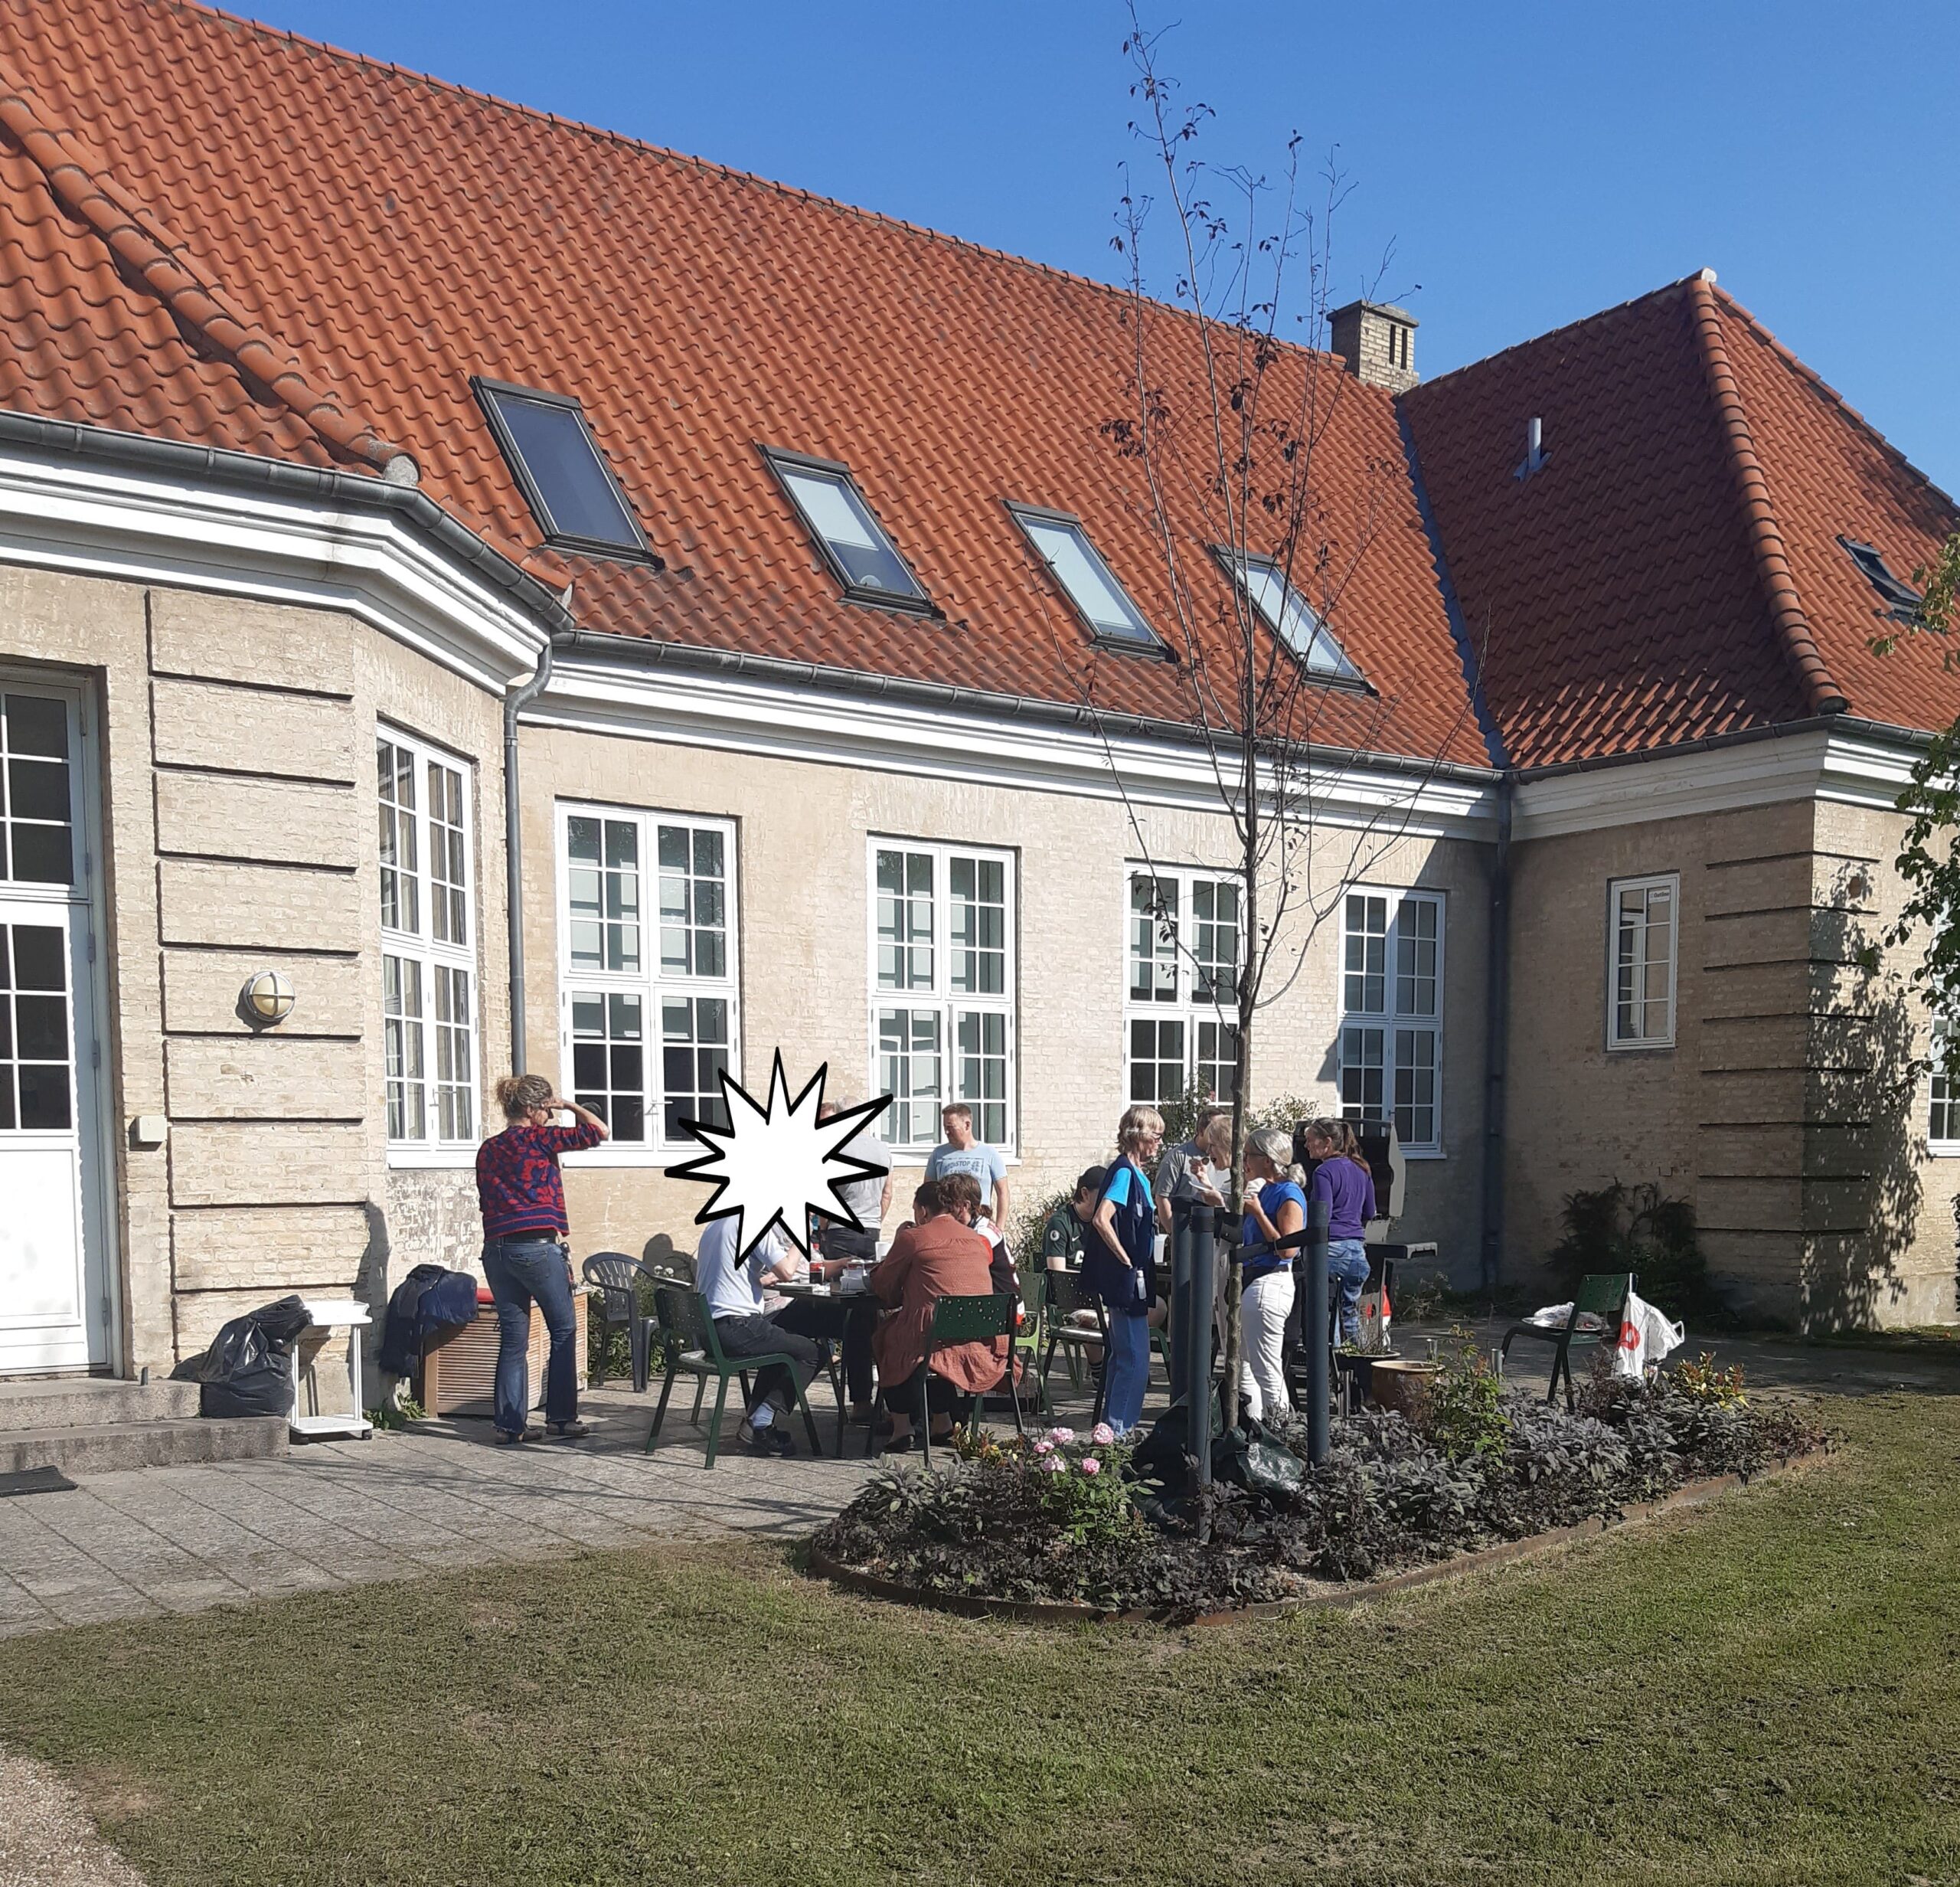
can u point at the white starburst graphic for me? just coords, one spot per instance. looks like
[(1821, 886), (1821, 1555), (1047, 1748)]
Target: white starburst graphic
[(775, 1165)]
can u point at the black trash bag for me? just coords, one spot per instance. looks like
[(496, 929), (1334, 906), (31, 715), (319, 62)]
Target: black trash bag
[(248, 1369), (1163, 1454), (1253, 1457)]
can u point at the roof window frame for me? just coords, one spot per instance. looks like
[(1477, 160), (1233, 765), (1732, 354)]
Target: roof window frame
[(1154, 648), (1903, 606), (781, 462), (487, 391), (1230, 562)]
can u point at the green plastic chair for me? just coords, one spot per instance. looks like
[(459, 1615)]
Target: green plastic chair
[(693, 1348), (1067, 1292), (979, 1319), (1604, 1295)]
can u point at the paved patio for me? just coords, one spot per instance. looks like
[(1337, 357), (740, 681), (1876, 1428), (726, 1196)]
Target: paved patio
[(443, 1495)]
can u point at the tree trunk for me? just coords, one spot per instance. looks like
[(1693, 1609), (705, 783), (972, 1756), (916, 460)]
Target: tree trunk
[(1247, 992)]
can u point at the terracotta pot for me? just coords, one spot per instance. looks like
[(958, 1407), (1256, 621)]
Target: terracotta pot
[(1395, 1383)]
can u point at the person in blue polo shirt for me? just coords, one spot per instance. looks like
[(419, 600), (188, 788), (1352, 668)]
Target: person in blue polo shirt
[(1117, 1254)]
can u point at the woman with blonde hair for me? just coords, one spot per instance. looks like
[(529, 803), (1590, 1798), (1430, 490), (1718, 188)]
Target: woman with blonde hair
[(526, 1258), (1275, 1207), (1118, 1245), (1345, 1180)]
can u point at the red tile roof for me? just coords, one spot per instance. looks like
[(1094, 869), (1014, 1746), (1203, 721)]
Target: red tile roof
[(219, 232), (1672, 571)]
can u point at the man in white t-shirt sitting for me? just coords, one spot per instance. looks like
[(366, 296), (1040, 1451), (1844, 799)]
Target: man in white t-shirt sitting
[(733, 1288), (959, 1151)]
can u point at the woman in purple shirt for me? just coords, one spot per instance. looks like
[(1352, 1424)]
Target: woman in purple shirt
[(1344, 1179)]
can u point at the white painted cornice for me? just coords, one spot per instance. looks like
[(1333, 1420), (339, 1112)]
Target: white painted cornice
[(744, 715), (91, 518), (1851, 767)]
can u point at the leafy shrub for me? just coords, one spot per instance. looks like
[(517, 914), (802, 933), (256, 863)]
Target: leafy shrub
[(1460, 1410), (1388, 1496), (1635, 1228), (1701, 1382)]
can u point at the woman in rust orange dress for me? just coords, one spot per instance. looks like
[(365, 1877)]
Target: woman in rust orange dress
[(938, 1257)]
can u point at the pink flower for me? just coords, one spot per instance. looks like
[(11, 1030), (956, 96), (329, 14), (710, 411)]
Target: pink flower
[(1044, 1446), (1090, 1465), (1058, 1436), (1102, 1434), (1054, 1464)]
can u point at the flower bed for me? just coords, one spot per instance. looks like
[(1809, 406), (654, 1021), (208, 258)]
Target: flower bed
[(1062, 1518)]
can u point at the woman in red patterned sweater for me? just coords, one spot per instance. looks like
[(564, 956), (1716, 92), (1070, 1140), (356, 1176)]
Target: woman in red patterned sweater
[(526, 1258)]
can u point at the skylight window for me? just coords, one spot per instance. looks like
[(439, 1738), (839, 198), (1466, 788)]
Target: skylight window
[(1290, 616), (852, 542), (1903, 600), (1064, 546), (571, 493)]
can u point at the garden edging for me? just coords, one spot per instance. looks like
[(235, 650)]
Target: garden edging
[(1692, 1494)]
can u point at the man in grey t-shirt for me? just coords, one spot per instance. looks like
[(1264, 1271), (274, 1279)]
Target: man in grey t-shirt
[(959, 1151)]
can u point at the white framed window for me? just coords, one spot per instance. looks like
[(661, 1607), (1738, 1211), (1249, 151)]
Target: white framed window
[(1183, 939), (1643, 935), (1063, 544), (649, 1009), (429, 1033), (942, 968), (1391, 1013), (1942, 1102)]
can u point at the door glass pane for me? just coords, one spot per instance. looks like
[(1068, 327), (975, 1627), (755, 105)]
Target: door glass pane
[(981, 1073), (608, 1061), (694, 1053), (36, 1077), (37, 843)]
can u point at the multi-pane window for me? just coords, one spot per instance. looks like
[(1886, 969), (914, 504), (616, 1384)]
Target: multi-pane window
[(1290, 616), (853, 543), (1943, 1096), (1181, 988), (1642, 940), (37, 830), (942, 994), (1391, 1013), (428, 945), (1087, 582), (649, 1001)]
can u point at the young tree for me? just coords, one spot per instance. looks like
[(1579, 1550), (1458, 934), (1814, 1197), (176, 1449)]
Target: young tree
[(1928, 860), (1243, 435)]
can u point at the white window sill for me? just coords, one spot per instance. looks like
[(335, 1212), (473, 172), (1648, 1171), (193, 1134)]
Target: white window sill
[(432, 1159), (1423, 1153), (1943, 1149), (1641, 1047), (633, 1156)]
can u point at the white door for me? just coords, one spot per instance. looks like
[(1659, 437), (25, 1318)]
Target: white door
[(54, 1295)]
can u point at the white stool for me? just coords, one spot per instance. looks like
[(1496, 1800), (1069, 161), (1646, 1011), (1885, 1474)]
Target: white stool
[(334, 1314)]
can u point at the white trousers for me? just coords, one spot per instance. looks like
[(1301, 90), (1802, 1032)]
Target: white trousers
[(1264, 1308)]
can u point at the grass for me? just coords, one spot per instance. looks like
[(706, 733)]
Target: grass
[(1761, 1691)]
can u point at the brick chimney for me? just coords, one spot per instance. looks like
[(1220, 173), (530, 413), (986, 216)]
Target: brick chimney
[(1377, 343)]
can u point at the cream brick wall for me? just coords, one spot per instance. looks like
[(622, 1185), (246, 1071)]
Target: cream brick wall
[(802, 851), (240, 834), (1782, 1111)]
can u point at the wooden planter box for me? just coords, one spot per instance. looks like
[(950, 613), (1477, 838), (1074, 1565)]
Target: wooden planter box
[(460, 1378)]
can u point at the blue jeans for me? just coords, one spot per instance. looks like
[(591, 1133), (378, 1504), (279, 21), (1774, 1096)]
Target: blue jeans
[(1347, 1273), (1126, 1375), (519, 1271)]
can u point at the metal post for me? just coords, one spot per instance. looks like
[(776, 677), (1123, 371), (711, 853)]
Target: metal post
[(1314, 1331), (1196, 1339), (1181, 1287)]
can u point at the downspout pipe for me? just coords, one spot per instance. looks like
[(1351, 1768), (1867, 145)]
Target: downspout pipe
[(514, 704), (1496, 1039)]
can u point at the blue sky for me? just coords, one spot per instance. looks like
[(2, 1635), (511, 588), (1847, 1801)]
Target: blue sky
[(1529, 164)]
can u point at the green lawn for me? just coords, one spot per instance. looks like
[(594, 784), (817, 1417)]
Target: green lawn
[(1764, 1691)]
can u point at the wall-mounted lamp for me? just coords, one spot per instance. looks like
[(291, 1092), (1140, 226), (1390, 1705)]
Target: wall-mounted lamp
[(266, 1000)]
